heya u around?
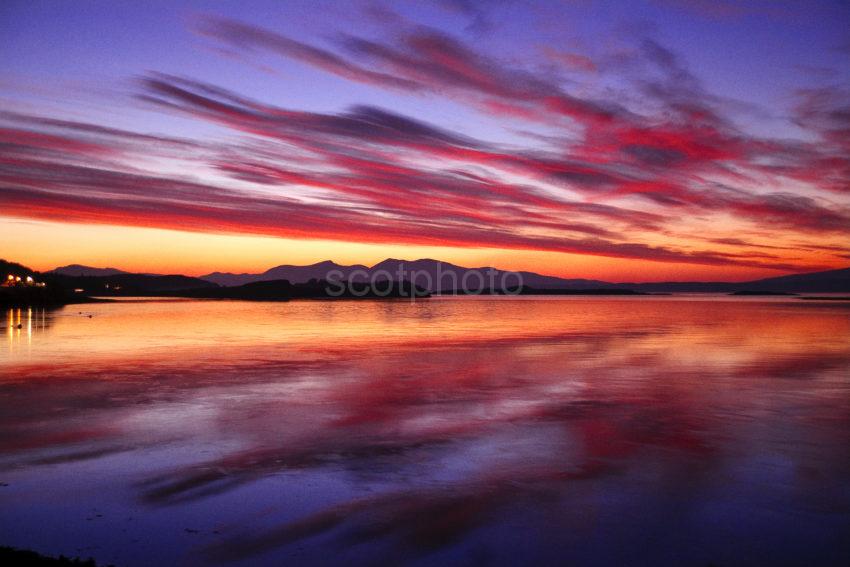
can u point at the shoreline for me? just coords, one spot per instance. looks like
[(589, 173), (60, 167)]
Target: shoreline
[(17, 556)]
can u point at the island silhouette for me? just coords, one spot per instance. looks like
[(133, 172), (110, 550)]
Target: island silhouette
[(389, 279)]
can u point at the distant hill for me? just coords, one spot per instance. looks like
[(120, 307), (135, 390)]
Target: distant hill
[(432, 275), (7, 267), (80, 270), (25, 295), (66, 285), (443, 276), (830, 281), (129, 284), (293, 274), (436, 276)]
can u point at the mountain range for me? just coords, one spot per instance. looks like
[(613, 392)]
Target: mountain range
[(436, 270), (831, 281)]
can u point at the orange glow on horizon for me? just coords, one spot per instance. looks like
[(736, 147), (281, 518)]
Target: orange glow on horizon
[(134, 249)]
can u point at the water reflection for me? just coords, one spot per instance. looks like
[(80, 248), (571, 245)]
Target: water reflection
[(21, 324), (444, 432)]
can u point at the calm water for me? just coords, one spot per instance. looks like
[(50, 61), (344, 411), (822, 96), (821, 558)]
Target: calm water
[(653, 431)]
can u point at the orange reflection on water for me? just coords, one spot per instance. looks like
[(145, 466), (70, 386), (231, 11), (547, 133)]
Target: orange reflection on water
[(433, 425), (21, 324), (716, 331)]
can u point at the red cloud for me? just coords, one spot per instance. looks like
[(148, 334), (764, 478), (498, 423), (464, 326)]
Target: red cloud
[(373, 175)]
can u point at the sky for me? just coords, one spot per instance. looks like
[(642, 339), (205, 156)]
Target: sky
[(631, 141)]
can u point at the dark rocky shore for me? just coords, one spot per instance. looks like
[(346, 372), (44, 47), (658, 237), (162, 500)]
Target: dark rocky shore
[(27, 558)]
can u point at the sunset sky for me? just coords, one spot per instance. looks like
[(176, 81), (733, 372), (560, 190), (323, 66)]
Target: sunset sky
[(630, 141)]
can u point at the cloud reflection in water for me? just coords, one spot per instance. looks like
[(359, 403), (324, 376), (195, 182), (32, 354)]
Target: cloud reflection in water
[(467, 429)]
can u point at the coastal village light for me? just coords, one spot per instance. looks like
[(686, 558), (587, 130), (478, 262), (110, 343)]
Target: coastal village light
[(14, 281)]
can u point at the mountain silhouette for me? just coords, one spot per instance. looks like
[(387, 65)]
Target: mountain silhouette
[(829, 281), (123, 283), (432, 275), (293, 274), (85, 271), (435, 276)]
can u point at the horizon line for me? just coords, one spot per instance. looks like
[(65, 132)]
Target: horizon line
[(373, 266)]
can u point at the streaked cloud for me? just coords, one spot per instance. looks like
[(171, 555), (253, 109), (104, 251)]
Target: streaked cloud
[(624, 172)]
